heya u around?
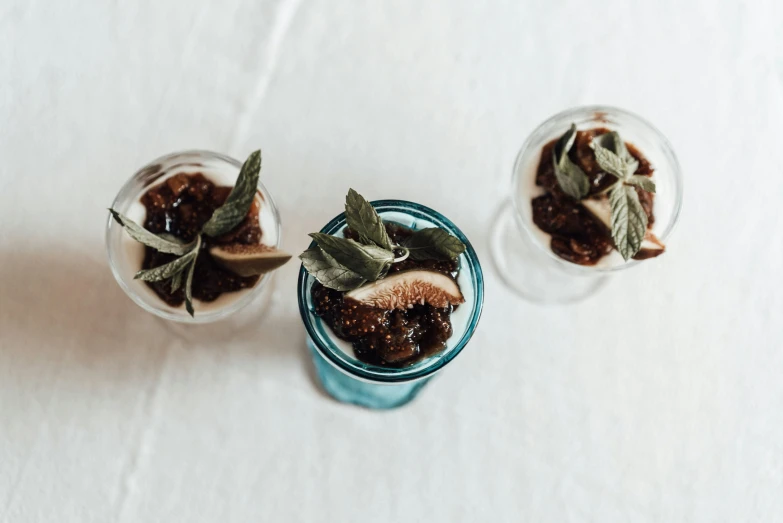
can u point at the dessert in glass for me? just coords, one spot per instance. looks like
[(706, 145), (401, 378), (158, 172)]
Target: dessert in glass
[(193, 237), (390, 292), (595, 190)]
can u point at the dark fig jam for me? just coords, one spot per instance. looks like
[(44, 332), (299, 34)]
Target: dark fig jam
[(577, 235), (391, 338), (181, 206)]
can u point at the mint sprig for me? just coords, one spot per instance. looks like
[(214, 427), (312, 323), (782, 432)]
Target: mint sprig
[(629, 221), (344, 264), (223, 220)]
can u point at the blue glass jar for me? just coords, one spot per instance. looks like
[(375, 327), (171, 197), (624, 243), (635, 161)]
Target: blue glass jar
[(349, 380)]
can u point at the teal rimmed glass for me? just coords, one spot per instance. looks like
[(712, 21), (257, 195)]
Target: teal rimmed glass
[(352, 381)]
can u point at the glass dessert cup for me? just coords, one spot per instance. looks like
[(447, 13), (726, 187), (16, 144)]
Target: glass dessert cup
[(521, 251), (126, 255), (349, 380)]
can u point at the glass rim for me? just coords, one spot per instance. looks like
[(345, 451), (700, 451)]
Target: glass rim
[(159, 311), (376, 373), (598, 111)]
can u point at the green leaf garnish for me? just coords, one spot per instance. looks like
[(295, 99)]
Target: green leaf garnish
[(344, 264), (189, 281), (331, 274), (614, 143), (176, 282), (644, 182), (369, 261), (142, 235), (570, 176), (168, 270), (361, 216), (622, 167), (629, 221), (238, 203), (433, 244)]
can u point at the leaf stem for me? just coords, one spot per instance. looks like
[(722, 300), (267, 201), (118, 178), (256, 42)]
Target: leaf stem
[(404, 256)]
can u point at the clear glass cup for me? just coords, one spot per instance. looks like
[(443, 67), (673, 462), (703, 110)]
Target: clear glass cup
[(125, 254), (521, 251), (349, 380)]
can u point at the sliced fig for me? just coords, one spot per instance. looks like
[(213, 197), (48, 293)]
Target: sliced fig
[(405, 289), (248, 260)]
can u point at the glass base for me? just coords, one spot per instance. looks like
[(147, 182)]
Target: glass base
[(222, 331), (347, 389), (530, 272)]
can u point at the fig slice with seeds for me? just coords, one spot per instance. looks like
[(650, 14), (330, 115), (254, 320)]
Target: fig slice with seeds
[(600, 208), (248, 260), (405, 289)]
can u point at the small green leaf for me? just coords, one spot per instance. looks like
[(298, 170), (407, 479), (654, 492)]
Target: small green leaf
[(610, 162), (362, 218), (564, 144), (142, 235), (326, 270), (238, 203), (629, 221), (369, 261), (642, 181), (613, 156), (189, 281), (571, 178), (176, 282), (433, 244), (168, 270), (614, 143)]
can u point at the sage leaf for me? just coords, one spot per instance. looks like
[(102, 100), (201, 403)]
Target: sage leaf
[(238, 203), (433, 244), (642, 181), (176, 282), (331, 274), (369, 261), (362, 218), (189, 281), (142, 235), (571, 178), (168, 270), (629, 221)]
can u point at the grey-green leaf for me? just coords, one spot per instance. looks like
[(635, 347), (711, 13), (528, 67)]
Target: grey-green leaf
[(629, 221), (433, 244), (238, 203), (570, 176), (176, 282), (614, 143), (369, 261), (613, 157), (189, 281), (564, 144), (610, 162), (362, 218), (642, 181), (331, 274), (142, 235), (168, 270)]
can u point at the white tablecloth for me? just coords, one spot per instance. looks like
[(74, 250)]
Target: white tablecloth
[(660, 399)]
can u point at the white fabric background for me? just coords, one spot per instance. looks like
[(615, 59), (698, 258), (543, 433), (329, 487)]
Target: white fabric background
[(660, 399)]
